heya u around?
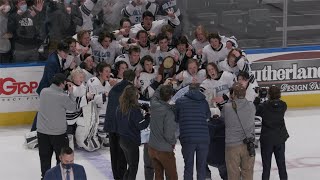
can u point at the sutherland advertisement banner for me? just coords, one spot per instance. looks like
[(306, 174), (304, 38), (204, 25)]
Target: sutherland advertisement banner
[(292, 72)]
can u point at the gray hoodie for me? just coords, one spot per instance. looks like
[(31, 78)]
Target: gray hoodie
[(51, 118), (162, 124), (246, 111)]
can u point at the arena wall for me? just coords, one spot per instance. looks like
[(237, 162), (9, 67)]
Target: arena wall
[(296, 70)]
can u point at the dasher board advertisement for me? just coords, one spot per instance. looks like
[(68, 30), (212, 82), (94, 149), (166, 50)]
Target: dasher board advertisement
[(292, 72)]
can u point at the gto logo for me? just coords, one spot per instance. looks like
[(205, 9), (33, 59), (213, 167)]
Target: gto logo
[(9, 86)]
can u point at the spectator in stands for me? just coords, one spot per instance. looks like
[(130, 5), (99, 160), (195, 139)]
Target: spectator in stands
[(136, 8), (5, 45), (51, 120), (154, 27), (61, 21), (25, 23), (215, 51), (162, 133), (239, 125), (119, 68), (130, 122), (105, 48), (168, 31), (132, 59), (200, 40), (274, 133), (191, 75), (163, 50), (86, 7), (118, 160), (88, 66), (67, 169), (192, 113)]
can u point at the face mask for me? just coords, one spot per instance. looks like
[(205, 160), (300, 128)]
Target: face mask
[(23, 8), (5, 8), (67, 166)]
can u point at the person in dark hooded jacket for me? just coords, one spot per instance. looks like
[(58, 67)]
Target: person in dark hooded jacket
[(192, 113), (118, 160), (273, 133)]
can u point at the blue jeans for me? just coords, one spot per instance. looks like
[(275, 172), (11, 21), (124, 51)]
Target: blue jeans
[(188, 151)]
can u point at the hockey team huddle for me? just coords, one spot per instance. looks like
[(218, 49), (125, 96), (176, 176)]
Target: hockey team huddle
[(146, 44)]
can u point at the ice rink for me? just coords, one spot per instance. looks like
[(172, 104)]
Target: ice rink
[(302, 153)]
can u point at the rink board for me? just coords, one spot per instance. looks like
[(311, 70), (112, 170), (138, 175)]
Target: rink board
[(18, 82)]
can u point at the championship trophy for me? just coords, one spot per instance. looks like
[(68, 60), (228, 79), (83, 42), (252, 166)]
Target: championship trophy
[(168, 68)]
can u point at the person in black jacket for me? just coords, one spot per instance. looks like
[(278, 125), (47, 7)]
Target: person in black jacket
[(130, 122), (273, 133), (118, 161)]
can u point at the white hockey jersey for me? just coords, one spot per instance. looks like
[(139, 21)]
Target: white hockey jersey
[(95, 87), (199, 45), (156, 26), (105, 55), (159, 55), (251, 93), (187, 77), (212, 87), (85, 10), (210, 55), (134, 12), (145, 82), (125, 57)]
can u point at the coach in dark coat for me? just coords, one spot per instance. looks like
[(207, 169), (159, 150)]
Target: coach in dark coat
[(273, 133)]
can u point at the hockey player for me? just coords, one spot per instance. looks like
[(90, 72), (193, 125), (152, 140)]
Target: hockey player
[(100, 87), (191, 75), (83, 46), (154, 27), (186, 52), (85, 9), (165, 6), (105, 49), (119, 68), (144, 43), (87, 66), (132, 59), (249, 83), (149, 79), (216, 86), (200, 40), (136, 8), (122, 34), (236, 61), (168, 31), (215, 51), (163, 50)]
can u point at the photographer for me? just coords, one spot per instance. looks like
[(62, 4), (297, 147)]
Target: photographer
[(274, 133), (51, 120), (239, 122)]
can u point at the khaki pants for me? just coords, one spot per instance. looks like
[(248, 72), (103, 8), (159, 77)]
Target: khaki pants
[(239, 163), (163, 161)]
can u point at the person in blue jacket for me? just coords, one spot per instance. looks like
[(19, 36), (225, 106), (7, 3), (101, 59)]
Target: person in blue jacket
[(192, 113), (130, 122), (66, 169)]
